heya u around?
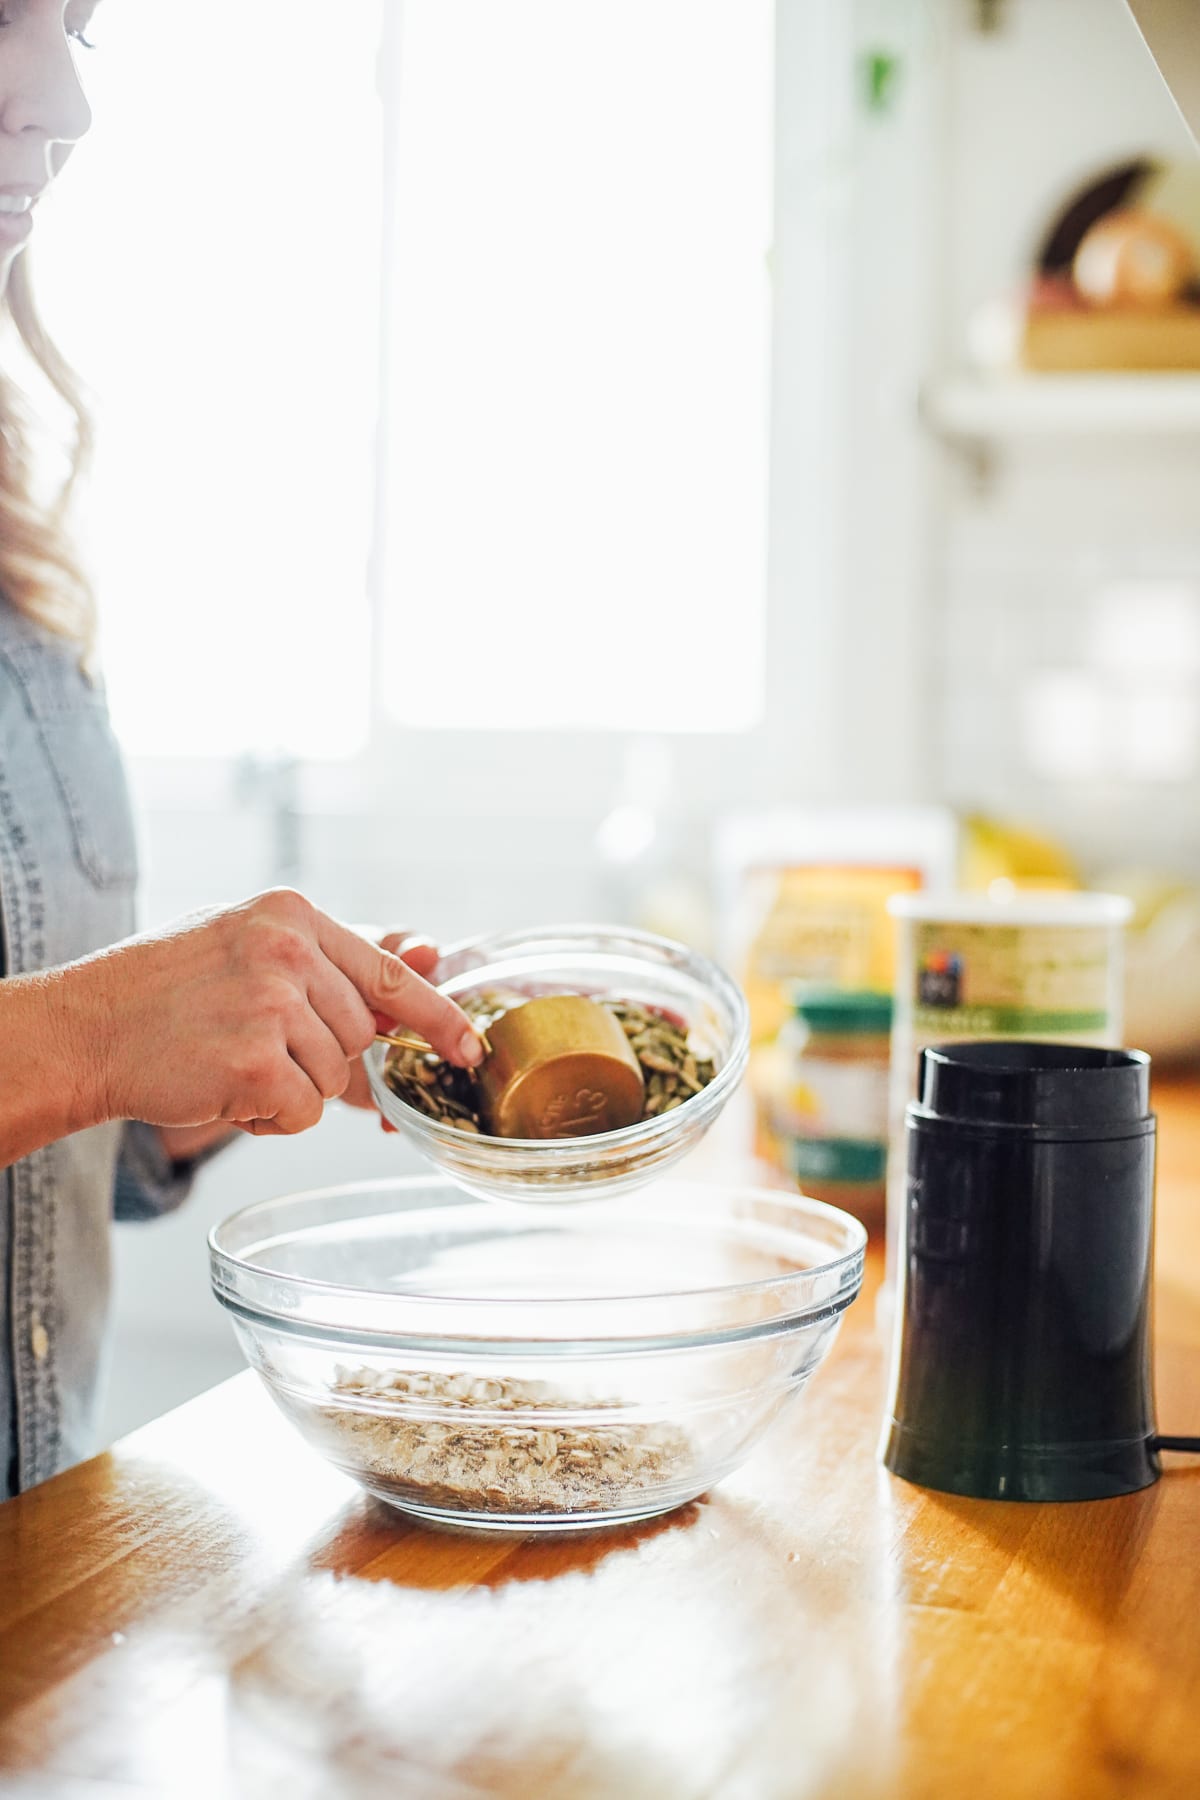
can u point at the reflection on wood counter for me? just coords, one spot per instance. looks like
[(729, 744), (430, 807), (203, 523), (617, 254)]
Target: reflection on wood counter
[(209, 1609)]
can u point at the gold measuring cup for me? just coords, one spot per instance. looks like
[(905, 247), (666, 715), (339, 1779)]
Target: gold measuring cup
[(555, 1067)]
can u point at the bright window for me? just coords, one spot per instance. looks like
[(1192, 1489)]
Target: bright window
[(569, 518), (578, 306)]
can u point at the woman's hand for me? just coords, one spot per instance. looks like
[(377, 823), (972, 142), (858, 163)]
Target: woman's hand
[(253, 1014)]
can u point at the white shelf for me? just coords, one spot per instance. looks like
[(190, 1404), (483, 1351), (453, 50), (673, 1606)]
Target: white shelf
[(982, 409)]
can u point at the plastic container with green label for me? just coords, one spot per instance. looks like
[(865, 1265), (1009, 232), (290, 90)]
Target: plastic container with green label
[(1036, 967)]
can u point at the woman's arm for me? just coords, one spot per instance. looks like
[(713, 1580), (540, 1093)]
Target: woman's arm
[(247, 1016), (48, 1080)]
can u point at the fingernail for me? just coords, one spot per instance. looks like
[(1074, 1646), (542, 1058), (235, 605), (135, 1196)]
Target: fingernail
[(470, 1049)]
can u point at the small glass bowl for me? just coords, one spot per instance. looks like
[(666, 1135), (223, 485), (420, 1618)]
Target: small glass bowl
[(607, 963), (504, 1369)]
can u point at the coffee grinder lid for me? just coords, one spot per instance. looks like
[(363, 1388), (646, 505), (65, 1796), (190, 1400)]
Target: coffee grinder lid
[(1037, 1087)]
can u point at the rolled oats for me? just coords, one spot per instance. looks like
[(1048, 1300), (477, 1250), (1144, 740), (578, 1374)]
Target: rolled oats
[(476, 1457)]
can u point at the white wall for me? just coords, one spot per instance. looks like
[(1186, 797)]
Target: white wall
[(1020, 560)]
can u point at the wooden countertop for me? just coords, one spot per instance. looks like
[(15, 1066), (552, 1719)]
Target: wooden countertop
[(207, 1609)]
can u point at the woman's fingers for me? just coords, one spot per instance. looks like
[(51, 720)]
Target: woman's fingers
[(422, 956), (289, 1103), (393, 990), (315, 1050), (419, 953), (337, 1003)]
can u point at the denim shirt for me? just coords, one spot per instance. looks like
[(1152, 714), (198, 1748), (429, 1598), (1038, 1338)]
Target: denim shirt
[(68, 869)]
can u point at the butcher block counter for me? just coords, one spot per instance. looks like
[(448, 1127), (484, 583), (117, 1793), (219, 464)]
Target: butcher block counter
[(209, 1609)]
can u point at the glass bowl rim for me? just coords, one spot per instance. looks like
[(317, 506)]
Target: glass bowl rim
[(631, 1137), (798, 1204)]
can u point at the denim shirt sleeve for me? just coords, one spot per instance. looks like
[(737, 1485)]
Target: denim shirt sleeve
[(148, 1182)]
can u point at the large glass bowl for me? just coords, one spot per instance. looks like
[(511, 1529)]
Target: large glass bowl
[(495, 1367), (605, 962)]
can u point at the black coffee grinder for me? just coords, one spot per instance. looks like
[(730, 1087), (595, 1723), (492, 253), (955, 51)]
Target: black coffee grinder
[(1022, 1366)]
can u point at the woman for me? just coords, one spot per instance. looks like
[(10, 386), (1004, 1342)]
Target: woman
[(249, 1017)]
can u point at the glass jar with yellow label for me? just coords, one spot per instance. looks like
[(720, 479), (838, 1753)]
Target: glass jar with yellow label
[(826, 1102)]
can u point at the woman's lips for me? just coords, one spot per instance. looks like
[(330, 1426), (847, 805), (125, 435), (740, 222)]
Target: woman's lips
[(16, 217)]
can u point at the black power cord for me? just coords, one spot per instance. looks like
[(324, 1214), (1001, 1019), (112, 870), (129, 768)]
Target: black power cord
[(1176, 1443)]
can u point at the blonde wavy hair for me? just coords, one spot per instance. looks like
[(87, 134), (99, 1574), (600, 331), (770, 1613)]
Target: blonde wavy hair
[(39, 573)]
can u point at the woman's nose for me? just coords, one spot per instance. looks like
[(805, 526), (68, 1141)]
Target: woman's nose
[(42, 94)]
